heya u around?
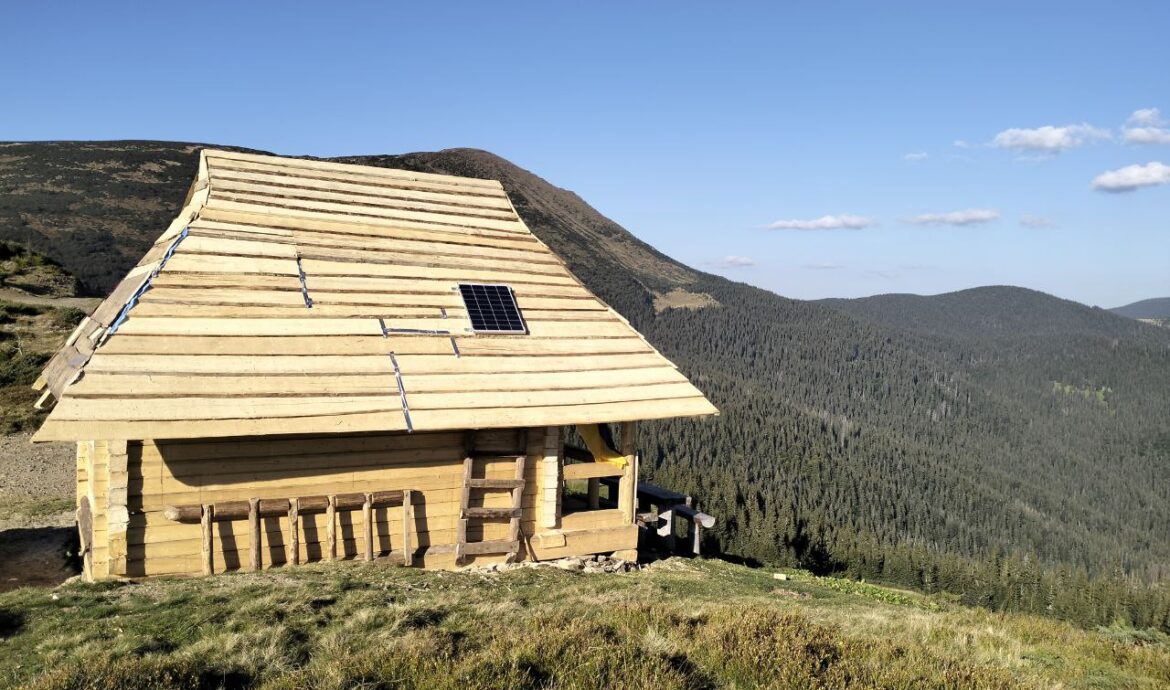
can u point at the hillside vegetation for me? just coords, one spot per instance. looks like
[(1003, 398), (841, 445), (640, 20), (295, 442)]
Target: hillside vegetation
[(946, 443), (679, 624)]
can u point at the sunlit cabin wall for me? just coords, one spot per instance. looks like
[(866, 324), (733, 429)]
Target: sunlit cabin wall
[(161, 474)]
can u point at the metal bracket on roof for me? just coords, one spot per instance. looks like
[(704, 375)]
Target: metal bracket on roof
[(407, 331), (133, 301), (402, 394), (455, 347), (304, 285)]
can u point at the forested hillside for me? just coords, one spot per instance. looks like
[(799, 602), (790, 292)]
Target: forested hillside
[(1157, 308), (999, 443)]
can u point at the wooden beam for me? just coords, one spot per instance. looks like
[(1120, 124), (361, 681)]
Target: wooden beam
[(548, 483), (628, 489), (254, 520), (593, 470), (368, 517), (331, 529), (465, 495), (208, 547), (407, 527), (278, 507), (294, 532), (117, 510)]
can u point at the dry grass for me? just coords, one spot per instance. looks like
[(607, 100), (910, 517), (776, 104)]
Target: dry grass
[(677, 625), (681, 299)]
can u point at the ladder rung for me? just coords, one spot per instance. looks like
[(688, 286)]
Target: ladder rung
[(488, 455), (491, 512), (493, 546), (495, 483)]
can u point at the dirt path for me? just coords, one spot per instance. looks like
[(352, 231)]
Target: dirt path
[(82, 303), (38, 542)]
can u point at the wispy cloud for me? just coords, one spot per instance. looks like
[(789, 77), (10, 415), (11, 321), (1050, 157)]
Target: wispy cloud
[(1146, 117), (1132, 177), (822, 267), (1048, 139), (1146, 126), (970, 216), (733, 261), (962, 144), (915, 157), (1036, 222), (841, 222)]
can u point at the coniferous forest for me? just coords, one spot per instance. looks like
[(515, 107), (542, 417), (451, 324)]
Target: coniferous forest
[(1000, 444)]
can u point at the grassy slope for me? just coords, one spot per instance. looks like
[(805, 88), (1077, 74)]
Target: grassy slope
[(681, 624)]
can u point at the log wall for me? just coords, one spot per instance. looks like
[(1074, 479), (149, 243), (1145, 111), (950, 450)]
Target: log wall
[(141, 541)]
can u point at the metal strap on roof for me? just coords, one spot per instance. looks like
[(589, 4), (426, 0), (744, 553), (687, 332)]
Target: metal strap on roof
[(130, 304), (304, 285), (402, 393)]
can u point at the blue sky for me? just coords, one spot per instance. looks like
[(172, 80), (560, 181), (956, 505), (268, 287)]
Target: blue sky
[(694, 125)]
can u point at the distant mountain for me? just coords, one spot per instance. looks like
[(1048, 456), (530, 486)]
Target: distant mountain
[(995, 312), (986, 442), (1157, 309)]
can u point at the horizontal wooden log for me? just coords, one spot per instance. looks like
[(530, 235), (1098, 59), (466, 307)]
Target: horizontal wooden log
[(277, 507), (492, 546), (592, 470), (492, 513), (495, 483)]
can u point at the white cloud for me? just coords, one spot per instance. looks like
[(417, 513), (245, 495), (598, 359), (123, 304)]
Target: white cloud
[(970, 216), (1146, 126), (961, 144), (1147, 135), (914, 157), (1146, 117), (1132, 177), (1037, 222), (842, 222), (1048, 139), (732, 261), (822, 267)]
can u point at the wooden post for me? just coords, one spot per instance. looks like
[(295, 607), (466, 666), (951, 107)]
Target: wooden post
[(368, 515), (254, 520), (464, 496), (208, 540), (117, 512), (594, 494), (407, 526), (549, 479), (628, 487), (518, 497), (294, 528), (331, 529)]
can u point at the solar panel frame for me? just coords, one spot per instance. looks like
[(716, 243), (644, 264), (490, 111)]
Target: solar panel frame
[(492, 309)]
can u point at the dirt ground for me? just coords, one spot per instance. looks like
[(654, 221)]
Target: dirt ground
[(37, 537)]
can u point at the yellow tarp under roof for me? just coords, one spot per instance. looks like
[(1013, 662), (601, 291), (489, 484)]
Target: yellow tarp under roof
[(212, 334)]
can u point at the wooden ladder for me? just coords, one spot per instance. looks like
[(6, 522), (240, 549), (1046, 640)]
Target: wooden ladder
[(511, 545)]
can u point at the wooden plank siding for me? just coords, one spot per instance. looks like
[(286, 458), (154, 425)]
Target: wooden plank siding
[(273, 304), (166, 473)]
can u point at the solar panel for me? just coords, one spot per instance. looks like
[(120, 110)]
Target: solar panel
[(492, 308)]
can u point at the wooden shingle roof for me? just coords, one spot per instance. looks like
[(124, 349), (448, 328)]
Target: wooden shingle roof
[(288, 297)]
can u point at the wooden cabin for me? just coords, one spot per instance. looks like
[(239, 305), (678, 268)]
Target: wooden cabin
[(320, 361)]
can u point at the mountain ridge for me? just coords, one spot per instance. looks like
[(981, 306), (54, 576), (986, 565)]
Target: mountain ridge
[(1154, 308)]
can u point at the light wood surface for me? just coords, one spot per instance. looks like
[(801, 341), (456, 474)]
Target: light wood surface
[(222, 341), (238, 491)]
